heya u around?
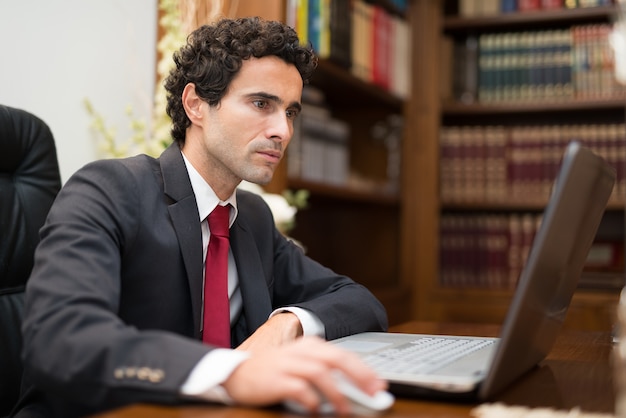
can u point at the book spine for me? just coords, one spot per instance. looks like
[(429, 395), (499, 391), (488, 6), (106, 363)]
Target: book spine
[(302, 21), (340, 27), (401, 68), (466, 70), (508, 6), (528, 5), (314, 24), (486, 68)]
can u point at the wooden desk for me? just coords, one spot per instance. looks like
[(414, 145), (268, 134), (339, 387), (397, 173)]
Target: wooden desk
[(577, 373)]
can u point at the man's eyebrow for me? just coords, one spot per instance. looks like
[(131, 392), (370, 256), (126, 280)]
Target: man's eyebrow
[(296, 105), (275, 99)]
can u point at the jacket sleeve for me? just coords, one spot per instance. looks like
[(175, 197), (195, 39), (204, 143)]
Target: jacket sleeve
[(294, 279), (77, 347)]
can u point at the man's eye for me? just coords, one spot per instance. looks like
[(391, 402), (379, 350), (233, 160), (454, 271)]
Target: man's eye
[(261, 104), (292, 114)]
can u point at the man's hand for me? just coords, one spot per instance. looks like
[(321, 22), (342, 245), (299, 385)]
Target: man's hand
[(300, 371), (278, 330)]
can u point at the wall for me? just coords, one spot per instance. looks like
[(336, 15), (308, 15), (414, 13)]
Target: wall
[(54, 54)]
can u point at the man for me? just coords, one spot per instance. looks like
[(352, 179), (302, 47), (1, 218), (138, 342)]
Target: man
[(114, 306)]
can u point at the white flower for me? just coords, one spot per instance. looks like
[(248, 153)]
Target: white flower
[(284, 213)]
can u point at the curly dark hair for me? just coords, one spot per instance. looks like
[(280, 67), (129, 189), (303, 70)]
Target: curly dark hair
[(213, 56)]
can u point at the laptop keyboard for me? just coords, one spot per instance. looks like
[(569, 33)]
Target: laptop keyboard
[(424, 354)]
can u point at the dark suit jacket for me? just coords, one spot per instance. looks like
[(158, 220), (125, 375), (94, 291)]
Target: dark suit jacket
[(114, 301)]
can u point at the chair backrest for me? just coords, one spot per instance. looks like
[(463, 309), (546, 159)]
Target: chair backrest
[(29, 182)]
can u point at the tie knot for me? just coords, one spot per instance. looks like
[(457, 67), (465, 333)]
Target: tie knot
[(218, 220)]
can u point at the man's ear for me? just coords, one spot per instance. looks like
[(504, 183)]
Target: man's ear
[(192, 104)]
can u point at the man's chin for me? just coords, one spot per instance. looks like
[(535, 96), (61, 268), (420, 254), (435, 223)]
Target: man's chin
[(261, 177)]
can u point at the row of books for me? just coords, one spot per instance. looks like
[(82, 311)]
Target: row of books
[(362, 37), (475, 8), (319, 149), (485, 250), (325, 24), (489, 250), (548, 65), (518, 165)]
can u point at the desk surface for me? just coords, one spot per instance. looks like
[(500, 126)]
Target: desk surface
[(577, 373)]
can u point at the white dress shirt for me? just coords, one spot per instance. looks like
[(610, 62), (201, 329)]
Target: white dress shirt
[(205, 379)]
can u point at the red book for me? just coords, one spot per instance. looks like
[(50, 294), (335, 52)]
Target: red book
[(381, 25), (528, 5), (551, 4)]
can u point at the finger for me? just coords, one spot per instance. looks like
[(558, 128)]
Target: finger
[(352, 366), (320, 364), (310, 365), (304, 394), (362, 375), (326, 384)]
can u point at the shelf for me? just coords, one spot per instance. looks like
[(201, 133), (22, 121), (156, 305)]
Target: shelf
[(352, 194), (534, 19), (602, 281), (590, 309), (461, 109), (344, 89), (459, 294), (509, 206)]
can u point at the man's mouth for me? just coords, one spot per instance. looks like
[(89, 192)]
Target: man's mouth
[(272, 155)]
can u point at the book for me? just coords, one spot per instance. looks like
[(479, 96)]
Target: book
[(552, 4), (360, 39), (508, 6), (340, 27), (400, 71), (466, 70), (314, 24), (302, 20), (381, 47), (528, 5), (469, 8)]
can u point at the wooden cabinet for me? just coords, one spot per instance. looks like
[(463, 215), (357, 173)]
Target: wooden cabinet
[(428, 115)]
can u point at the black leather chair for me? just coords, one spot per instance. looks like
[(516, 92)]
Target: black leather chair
[(29, 182)]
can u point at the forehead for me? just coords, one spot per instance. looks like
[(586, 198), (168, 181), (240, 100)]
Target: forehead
[(269, 75)]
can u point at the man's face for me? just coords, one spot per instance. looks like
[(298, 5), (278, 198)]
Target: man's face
[(246, 134)]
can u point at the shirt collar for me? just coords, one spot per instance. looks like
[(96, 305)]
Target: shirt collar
[(206, 198)]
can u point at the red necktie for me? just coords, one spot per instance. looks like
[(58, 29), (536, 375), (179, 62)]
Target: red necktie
[(216, 320)]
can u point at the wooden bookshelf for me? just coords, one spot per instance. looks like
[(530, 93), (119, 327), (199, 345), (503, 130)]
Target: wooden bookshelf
[(422, 208), (389, 240), (354, 228)]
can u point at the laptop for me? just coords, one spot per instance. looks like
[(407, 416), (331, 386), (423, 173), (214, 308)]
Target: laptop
[(476, 368)]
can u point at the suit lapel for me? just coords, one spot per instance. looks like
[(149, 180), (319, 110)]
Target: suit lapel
[(257, 304), (184, 212)]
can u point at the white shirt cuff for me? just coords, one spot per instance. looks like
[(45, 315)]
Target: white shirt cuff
[(311, 324), (204, 381)]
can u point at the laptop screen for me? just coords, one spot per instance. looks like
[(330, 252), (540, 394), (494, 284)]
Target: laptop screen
[(550, 277)]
